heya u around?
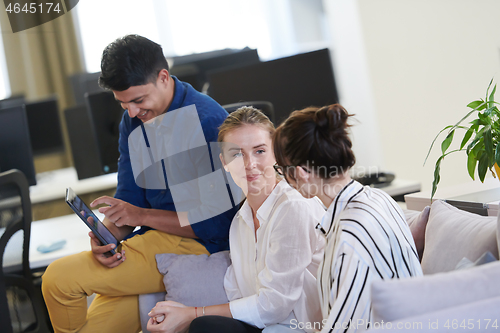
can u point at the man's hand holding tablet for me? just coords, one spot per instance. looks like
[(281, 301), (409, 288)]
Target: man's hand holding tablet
[(103, 242)]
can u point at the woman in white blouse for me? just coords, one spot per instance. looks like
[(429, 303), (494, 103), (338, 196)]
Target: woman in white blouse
[(367, 235), (275, 249)]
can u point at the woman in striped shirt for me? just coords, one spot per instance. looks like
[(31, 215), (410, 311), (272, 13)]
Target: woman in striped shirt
[(367, 235)]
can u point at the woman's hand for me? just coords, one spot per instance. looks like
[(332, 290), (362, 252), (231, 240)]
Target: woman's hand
[(170, 317)]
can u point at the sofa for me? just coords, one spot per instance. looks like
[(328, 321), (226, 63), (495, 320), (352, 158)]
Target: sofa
[(460, 289)]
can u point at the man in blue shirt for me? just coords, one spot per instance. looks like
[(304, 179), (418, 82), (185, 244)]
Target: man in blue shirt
[(136, 71)]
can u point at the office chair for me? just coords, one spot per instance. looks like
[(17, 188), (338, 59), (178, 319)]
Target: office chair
[(266, 107), (21, 303)]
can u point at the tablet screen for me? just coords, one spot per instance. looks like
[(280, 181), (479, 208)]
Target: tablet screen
[(82, 210)]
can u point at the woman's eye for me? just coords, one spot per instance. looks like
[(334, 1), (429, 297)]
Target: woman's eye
[(260, 151), (237, 155)]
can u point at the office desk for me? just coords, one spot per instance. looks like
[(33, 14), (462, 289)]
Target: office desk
[(45, 232), (486, 194), (399, 187), (47, 196), (52, 185)]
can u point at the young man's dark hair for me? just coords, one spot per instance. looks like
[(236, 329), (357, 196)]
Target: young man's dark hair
[(129, 61)]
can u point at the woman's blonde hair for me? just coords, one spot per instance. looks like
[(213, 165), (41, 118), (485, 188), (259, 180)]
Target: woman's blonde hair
[(246, 115)]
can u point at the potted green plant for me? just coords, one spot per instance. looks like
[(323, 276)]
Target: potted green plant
[(480, 141)]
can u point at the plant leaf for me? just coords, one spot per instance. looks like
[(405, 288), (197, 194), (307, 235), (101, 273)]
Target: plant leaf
[(482, 167), (471, 165), (476, 142), (497, 155), (467, 136), (447, 142), (488, 89), (475, 122), (488, 111), (433, 141), (488, 142), (437, 169), (477, 105), (437, 177), (492, 95), (497, 113), (484, 118)]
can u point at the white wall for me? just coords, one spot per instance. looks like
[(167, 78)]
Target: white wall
[(353, 81), (427, 60)]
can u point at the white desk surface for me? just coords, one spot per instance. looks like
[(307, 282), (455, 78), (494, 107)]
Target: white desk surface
[(418, 201), (45, 232), (401, 186), (52, 185)]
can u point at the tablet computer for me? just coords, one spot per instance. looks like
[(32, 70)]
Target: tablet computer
[(90, 219)]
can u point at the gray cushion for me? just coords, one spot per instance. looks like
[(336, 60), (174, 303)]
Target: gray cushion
[(452, 234), (469, 317), (146, 303), (194, 280), (401, 298)]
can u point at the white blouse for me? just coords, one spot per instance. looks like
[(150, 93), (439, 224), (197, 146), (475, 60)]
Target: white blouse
[(368, 239), (273, 279)]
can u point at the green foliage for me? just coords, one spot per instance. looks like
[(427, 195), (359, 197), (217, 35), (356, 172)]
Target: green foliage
[(480, 141)]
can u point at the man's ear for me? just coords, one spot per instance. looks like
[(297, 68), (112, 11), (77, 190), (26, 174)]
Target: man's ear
[(223, 162), (163, 76), (302, 174)]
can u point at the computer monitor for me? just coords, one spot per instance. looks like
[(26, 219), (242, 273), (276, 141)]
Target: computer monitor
[(290, 83), (105, 114), (83, 145), (193, 68), (45, 126), (194, 57), (15, 145), (83, 83), (11, 101)]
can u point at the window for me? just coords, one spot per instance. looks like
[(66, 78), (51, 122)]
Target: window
[(275, 28), (101, 22), (217, 24), (4, 77)]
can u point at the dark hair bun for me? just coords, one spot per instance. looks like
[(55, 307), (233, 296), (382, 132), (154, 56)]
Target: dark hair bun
[(316, 137), (332, 120)]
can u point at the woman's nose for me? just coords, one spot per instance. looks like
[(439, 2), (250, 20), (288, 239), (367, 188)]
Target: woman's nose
[(249, 162)]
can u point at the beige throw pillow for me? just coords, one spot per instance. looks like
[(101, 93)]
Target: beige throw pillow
[(453, 234)]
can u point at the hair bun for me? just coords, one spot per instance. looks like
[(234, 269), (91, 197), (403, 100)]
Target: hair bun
[(316, 136), (332, 119)]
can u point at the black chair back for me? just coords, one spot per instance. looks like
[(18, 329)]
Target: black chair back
[(21, 303)]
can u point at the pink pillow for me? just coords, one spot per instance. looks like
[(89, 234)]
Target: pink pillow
[(417, 223)]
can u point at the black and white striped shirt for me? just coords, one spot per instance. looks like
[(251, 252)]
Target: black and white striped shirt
[(367, 239)]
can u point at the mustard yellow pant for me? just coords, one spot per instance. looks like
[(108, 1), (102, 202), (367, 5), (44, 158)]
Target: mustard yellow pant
[(68, 281)]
